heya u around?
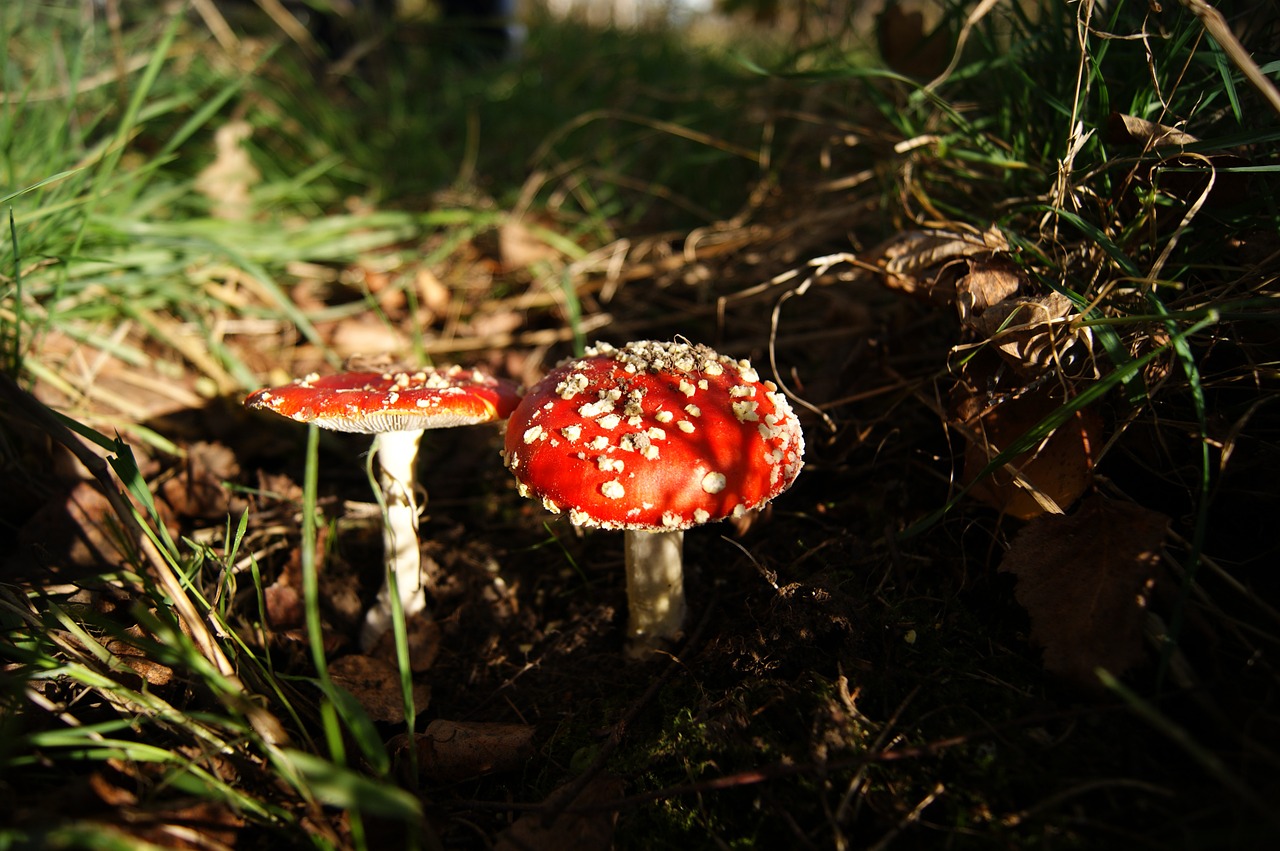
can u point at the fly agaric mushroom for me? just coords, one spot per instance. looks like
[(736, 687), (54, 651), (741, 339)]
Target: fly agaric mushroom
[(653, 438), (395, 407)]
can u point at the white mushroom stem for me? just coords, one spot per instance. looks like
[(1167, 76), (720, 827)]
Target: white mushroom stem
[(397, 453), (655, 590)]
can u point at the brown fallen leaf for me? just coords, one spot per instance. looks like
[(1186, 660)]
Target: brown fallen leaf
[(1059, 468), (434, 297), (449, 751), (71, 535), (919, 262), (1084, 579), (913, 38), (984, 285), (520, 247), (367, 334), (1147, 134), (375, 683), (197, 490), (285, 606), (135, 657), (1033, 333), (423, 638), (229, 180), (588, 830)]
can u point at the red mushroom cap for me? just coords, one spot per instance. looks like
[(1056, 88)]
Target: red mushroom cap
[(653, 437), (371, 402)]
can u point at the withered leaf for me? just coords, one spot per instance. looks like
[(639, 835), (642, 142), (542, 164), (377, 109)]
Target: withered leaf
[(912, 260), (135, 658), (986, 284), (1060, 468), (1027, 331), (586, 825), (376, 685), (424, 643), (911, 43), (520, 246), (1084, 580), (458, 750), (229, 180), (1146, 133), (197, 490)]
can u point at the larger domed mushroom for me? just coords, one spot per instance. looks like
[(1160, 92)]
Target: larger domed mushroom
[(653, 438), (396, 407)]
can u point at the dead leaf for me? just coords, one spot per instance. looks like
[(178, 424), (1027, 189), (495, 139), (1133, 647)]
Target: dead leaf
[(367, 334), (449, 751), (73, 534), (434, 297), (1060, 468), (1084, 579), (985, 285), (135, 657), (424, 642), (227, 181), (375, 683), (285, 606), (913, 38), (1031, 333), (588, 830), (519, 247), (914, 260), (198, 489), (1146, 133)]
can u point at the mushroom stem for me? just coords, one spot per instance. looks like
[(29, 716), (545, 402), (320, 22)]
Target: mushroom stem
[(655, 590), (397, 453)]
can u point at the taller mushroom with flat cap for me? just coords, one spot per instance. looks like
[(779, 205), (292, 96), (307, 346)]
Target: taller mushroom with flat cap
[(396, 407), (653, 438)]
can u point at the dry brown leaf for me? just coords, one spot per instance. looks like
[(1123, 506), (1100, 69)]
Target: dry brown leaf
[(285, 607), (449, 751), (985, 285), (376, 684), (913, 38), (132, 655), (1147, 134), (197, 490), (423, 637), (227, 181), (434, 297), (357, 334), (913, 261), (589, 830), (519, 247), (284, 604), (1027, 331), (70, 535), (1061, 468), (1084, 580)]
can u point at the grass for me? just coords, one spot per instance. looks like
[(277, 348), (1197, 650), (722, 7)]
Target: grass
[(861, 675)]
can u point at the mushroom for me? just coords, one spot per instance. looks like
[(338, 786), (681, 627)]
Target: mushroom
[(395, 407), (653, 438)]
